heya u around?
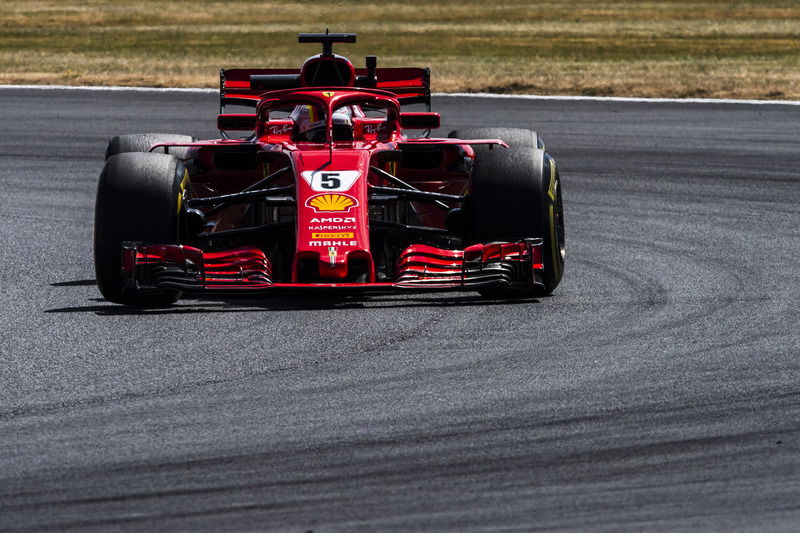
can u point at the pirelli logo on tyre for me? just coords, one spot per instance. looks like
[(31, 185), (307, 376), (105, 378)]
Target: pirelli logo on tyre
[(331, 203), (331, 235)]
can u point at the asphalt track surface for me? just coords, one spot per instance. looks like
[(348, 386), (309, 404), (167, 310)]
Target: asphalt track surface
[(657, 389)]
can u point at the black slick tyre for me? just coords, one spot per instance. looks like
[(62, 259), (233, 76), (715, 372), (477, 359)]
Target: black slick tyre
[(141, 142), (140, 199), (515, 194), (513, 137)]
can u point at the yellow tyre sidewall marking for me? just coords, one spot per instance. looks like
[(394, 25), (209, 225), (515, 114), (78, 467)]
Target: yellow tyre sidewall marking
[(551, 193), (182, 189)]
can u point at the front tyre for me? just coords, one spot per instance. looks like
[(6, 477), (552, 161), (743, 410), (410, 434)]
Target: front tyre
[(516, 194), (139, 198)]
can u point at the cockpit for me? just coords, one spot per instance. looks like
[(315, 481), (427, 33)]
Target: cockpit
[(348, 116)]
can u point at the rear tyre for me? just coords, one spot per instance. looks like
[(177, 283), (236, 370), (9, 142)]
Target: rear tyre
[(515, 194), (513, 137), (139, 198), (141, 142)]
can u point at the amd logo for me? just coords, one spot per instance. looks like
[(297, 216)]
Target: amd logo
[(334, 220)]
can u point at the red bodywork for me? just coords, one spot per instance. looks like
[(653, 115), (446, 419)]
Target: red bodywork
[(378, 211)]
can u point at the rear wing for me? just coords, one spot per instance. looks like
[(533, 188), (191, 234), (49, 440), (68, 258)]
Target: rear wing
[(409, 85)]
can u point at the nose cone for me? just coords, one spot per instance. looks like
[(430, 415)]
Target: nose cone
[(332, 217)]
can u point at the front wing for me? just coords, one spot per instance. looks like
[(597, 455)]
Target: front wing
[(148, 267)]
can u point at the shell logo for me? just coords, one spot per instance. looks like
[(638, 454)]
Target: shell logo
[(323, 203)]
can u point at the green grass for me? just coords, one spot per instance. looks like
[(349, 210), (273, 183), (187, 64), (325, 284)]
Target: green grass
[(744, 49)]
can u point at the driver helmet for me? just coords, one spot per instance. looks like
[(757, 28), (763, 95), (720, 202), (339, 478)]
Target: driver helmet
[(342, 124), (309, 124)]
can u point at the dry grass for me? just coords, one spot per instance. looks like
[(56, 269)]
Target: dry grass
[(744, 49)]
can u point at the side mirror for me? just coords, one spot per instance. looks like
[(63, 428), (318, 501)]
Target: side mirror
[(420, 121), (389, 156), (246, 122)]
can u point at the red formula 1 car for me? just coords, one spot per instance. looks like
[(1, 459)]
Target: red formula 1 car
[(327, 192)]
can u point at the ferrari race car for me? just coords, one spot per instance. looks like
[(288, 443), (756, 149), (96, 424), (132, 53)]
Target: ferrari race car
[(323, 188)]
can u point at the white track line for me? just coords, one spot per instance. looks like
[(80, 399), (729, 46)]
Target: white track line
[(110, 88), (472, 95), (623, 99)]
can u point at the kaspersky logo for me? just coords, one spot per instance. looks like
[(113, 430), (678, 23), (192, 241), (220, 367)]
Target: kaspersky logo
[(331, 203)]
